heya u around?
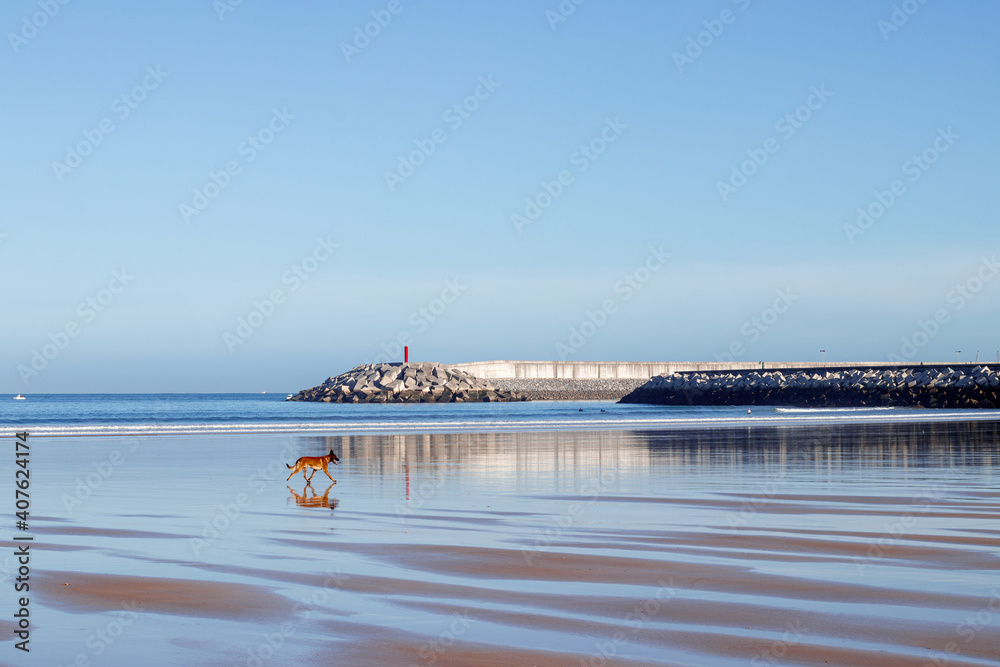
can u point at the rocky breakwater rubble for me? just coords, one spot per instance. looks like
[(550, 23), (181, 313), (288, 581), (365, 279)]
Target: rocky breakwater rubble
[(928, 387), (405, 383)]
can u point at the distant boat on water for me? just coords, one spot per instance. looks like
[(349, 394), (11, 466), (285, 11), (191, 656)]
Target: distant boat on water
[(19, 398)]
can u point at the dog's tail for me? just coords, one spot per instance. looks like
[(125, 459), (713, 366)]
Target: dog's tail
[(288, 466)]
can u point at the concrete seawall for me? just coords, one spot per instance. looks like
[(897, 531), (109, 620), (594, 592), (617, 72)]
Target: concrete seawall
[(611, 380), (643, 370), (567, 389)]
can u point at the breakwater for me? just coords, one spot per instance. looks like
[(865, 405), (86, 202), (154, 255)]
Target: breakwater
[(928, 387), (405, 383)]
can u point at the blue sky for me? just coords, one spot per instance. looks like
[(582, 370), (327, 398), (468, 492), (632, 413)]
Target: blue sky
[(529, 223)]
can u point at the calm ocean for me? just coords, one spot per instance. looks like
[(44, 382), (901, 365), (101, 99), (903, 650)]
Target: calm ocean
[(110, 414)]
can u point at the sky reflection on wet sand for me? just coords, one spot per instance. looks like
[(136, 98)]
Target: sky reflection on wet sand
[(864, 544)]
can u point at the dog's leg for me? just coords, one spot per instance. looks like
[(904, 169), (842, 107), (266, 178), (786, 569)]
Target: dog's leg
[(295, 471), (309, 478), (328, 473)]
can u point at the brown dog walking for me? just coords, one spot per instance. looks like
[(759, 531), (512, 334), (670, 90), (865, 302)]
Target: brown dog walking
[(314, 462)]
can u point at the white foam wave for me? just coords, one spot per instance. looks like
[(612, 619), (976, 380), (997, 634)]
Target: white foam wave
[(817, 410)]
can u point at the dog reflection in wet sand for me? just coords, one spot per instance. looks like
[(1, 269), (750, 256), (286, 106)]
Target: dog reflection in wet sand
[(314, 462), (305, 500)]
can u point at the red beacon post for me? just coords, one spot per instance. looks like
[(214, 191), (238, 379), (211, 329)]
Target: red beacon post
[(406, 354)]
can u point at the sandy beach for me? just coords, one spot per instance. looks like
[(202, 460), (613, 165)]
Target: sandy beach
[(862, 545)]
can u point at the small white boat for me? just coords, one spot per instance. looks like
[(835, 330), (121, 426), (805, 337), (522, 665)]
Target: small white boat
[(289, 396), (19, 398)]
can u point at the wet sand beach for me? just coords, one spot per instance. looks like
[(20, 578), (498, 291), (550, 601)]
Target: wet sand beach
[(834, 545)]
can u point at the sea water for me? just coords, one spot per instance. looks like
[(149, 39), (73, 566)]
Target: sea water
[(110, 414)]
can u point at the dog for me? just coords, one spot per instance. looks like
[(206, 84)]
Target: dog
[(314, 462)]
